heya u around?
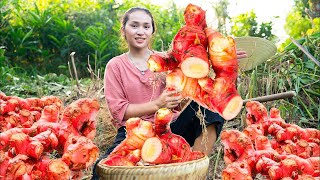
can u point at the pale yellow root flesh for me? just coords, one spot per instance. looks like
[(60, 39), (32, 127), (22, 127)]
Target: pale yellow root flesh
[(144, 131), (151, 149), (233, 108), (176, 81), (153, 66), (219, 44), (195, 68), (58, 167)]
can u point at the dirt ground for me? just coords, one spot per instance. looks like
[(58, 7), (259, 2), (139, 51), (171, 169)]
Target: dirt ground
[(105, 130)]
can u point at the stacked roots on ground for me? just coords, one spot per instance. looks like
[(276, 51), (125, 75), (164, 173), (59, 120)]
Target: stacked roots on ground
[(271, 147), (202, 65), (42, 139)]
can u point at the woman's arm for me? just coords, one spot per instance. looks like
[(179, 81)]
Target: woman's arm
[(114, 91), (119, 105), (167, 99)]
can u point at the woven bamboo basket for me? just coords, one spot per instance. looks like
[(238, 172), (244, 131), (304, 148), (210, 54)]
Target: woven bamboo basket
[(192, 170)]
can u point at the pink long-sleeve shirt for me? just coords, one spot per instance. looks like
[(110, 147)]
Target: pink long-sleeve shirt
[(124, 84)]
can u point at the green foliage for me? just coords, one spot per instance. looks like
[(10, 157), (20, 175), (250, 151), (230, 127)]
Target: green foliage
[(40, 36), (296, 25), (45, 33), (16, 81), (221, 10), (27, 41), (300, 23), (96, 38), (244, 24), (3, 59), (4, 18), (290, 70), (314, 6), (316, 26), (168, 23), (300, 6), (247, 25)]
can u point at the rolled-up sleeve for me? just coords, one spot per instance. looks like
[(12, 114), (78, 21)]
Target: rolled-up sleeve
[(115, 93)]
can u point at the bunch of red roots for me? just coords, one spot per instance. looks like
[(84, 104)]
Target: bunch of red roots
[(42, 139), (151, 144), (270, 147), (201, 65)]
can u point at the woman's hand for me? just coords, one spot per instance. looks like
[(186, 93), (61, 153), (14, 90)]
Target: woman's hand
[(241, 54), (169, 99)]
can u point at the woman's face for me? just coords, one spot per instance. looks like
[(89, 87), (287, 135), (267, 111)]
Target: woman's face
[(138, 30)]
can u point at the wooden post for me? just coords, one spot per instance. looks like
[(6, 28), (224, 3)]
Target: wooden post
[(272, 97)]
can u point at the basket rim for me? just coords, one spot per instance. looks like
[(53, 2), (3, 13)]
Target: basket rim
[(152, 166)]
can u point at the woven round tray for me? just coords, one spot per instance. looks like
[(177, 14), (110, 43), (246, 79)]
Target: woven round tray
[(258, 51), (192, 170)]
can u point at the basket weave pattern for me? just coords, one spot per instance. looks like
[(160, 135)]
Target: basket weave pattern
[(192, 170)]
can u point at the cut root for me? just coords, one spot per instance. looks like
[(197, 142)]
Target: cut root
[(58, 169), (195, 67), (154, 151), (233, 108), (176, 79)]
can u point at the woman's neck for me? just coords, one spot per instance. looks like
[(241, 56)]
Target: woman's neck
[(138, 54), (139, 59)]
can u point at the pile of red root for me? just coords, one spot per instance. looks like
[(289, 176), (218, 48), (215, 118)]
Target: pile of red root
[(202, 65), (270, 147), (42, 139), (151, 144)]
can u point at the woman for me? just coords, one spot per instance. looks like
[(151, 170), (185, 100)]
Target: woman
[(132, 90)]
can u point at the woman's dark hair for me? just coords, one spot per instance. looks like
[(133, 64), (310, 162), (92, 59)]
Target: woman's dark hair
[(125, 17)]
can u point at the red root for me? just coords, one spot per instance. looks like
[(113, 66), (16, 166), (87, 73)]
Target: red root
[(79, 152)]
